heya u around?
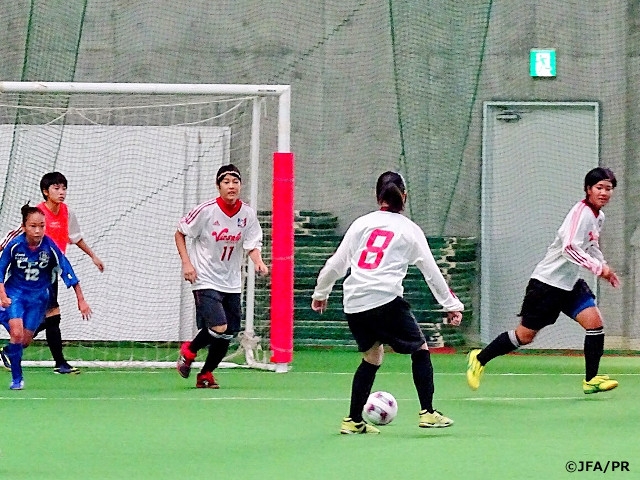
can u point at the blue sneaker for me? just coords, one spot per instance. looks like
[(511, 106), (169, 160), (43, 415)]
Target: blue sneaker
[(5, 360), (65, 368), (17, 384)]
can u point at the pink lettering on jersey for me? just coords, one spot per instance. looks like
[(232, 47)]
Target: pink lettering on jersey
[(224, 236)]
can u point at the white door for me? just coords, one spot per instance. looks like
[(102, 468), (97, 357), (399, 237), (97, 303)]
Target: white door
[(534, 159)]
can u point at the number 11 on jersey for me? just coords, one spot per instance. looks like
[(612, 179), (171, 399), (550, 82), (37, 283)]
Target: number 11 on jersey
[(226, 252)]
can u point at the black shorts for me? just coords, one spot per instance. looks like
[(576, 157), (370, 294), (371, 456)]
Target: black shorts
[(391, 324), (214, 308), (543, 303), (53, 296)]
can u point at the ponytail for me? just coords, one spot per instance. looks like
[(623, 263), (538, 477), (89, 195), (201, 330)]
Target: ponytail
[(390, 189)]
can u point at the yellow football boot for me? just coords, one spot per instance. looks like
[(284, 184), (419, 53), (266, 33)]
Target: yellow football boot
[(348, 426), (474, 369), (599, 383), (434, 420)]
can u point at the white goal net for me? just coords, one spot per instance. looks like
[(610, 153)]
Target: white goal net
[(137, 158)]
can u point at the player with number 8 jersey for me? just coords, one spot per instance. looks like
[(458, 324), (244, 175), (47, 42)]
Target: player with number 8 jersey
[(377, 250)]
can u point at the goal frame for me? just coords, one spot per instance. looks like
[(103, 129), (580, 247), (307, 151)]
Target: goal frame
[(280, 361)]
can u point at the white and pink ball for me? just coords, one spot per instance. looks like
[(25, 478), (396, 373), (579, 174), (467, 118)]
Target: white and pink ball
[(381, 408)]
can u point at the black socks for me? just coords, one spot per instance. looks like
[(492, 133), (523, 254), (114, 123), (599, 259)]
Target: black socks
[(51, 326), (422, 370), (361, 388), (217, 350), (504, 343), (593, 350)]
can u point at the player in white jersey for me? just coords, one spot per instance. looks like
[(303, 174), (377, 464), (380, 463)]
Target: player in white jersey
[(377, 249), (222, 229), (555, 286)]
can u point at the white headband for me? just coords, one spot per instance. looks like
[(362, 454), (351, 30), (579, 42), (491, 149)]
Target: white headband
[(232, 173)]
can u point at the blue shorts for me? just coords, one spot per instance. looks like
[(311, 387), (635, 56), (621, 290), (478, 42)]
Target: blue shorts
[(29, 306)]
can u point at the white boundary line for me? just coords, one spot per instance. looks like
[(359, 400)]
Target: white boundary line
[(92, 369), (277, 399)]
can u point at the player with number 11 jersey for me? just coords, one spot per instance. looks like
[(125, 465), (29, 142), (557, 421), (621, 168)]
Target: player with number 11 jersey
[(221, 234), (222, 230)]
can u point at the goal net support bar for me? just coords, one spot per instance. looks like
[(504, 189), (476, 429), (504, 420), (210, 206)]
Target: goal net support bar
[(281, 303), (282, 261)]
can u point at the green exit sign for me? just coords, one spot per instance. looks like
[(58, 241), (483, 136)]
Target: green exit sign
[(542, 62)]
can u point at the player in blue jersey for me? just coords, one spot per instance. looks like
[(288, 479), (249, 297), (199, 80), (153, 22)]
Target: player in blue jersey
[(63, 228), (29, 264)]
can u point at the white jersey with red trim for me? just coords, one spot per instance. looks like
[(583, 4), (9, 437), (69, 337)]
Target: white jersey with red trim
[(575, 246), (378, 248), (219, 242)]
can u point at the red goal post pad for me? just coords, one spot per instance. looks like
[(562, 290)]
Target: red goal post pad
[(282, 258)]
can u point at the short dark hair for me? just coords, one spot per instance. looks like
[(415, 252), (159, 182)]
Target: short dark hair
[(598, 174), (230, 169), (389, 189), (51, 178)]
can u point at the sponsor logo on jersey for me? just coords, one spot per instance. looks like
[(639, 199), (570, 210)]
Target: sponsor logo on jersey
[(216, 223), (224, 236), (242, 222), (23, 262)]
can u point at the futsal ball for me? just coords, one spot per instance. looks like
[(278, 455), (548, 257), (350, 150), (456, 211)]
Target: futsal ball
[(381, 408)]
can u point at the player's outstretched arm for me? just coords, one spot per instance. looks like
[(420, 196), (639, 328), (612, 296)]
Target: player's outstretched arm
[(94, 258), (69, 278), (83, 306)]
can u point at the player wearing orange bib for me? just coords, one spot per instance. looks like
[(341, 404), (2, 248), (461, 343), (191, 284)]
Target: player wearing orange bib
[(57, 223), (63, 228)]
